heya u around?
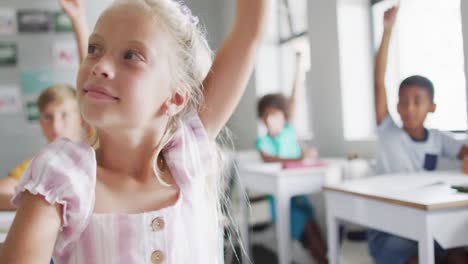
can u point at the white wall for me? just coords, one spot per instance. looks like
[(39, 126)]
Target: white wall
[(324, 83), (464, 10)]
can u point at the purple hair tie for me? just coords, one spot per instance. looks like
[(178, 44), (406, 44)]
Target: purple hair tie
[(188, 14)]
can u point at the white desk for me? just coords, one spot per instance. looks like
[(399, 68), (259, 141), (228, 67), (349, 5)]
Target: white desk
[(283, 185), (6, 219), (410, 206)]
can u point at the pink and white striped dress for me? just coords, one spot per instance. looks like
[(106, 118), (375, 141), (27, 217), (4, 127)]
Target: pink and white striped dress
[(186, 232)]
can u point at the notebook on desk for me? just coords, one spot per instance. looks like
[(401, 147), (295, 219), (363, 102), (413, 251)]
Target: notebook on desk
[(303, 164)]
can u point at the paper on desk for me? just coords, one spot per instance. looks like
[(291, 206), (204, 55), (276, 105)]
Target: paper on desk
[(433, 188)]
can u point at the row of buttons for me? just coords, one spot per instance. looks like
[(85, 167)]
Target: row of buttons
[(157, 257)]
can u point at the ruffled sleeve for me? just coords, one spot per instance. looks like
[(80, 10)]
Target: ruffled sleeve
[(63, 173), (190, 153)]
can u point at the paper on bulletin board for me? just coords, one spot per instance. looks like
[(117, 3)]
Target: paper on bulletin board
[(62, 22), (10, 99), (7, 21), (8, 54), (35, 81), (34, 20), (31, 109), (32, 84), (65, 54)]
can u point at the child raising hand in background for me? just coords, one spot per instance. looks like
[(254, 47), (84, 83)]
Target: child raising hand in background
[(410, 148), (280, 144)]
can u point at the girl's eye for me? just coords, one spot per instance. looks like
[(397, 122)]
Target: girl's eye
[(131, 55), (92, 49)]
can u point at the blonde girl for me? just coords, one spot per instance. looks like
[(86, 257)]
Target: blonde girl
[(147, 194)]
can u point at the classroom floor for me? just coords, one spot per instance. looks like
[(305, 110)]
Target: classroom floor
[(355, 253), (351, 252), (265, 241)]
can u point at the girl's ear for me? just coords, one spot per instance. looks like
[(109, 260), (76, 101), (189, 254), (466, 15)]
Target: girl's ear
[(175, 104)]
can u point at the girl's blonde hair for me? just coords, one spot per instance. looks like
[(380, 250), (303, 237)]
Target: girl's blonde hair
[(189, 65), (55, 94), (189, 62)]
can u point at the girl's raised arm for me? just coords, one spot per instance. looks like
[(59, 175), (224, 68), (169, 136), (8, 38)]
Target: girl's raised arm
[(233, 65)]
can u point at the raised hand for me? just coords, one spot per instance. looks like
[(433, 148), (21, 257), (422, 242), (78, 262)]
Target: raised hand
[(390, 17), (73, 8), (76, 11)]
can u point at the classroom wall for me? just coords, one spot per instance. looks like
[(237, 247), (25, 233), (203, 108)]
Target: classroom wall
[(464, 10), (324, 84), (19, 138), (243, 123)]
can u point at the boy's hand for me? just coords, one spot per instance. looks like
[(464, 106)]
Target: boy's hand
[(465, 165), (390, 17), (73, 8)]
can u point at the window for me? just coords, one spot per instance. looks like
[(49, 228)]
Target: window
[(427, 40), (275, 69), (356, 63)]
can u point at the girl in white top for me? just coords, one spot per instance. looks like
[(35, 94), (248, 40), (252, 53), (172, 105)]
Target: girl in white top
[(147, 193)]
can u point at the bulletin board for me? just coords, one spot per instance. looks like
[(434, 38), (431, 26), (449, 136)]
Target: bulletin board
[(37, 49)]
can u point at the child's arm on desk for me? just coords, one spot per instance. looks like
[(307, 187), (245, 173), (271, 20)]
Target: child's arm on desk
[(307, 154), (7, 189), (269, 158), (463, 156), (381, 108), (7, 185), (463, 153)]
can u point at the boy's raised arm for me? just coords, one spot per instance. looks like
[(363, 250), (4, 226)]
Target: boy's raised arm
[(381, 108)]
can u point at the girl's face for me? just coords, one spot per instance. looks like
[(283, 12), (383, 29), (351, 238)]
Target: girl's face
[(125, 79)]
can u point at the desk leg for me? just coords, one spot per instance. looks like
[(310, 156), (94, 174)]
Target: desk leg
[(333, 240), (283, 228), (426, 248)]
